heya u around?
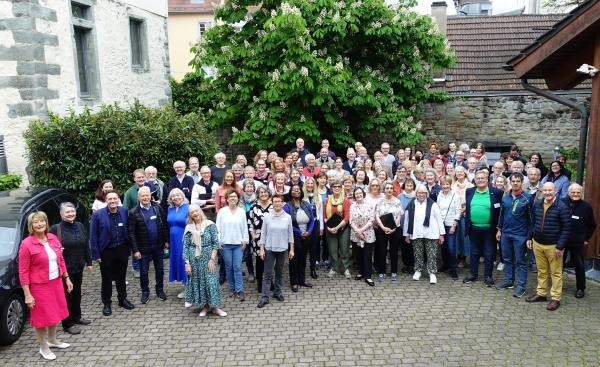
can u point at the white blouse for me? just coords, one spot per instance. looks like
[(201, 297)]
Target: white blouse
[(52, 261)]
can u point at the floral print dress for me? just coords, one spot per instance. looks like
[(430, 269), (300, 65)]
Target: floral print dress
[(202, 287), (360, 215)]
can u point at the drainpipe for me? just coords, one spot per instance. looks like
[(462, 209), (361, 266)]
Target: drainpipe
[(583, 129)]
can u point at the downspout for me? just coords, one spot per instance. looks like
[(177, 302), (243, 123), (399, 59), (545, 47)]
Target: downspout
[(583, 129)]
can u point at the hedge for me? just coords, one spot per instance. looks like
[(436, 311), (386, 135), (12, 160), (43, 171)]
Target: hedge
[(77, 151)]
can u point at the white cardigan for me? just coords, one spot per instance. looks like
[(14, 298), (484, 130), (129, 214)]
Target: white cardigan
[(449, 207)]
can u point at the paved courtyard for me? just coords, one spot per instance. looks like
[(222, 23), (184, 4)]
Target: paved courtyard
[(338, 323)]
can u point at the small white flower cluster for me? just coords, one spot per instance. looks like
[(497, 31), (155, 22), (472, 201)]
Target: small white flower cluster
[(255, 99), (262, 115), (275, 75), (340, 5), (336, 17), (356, 4), (302, 118), (303, 71), (282, 104), (235, 130), (211, 112), (272, 26), (236, 86), (376, 24), (290, 9), (221, 105), (339, 66)]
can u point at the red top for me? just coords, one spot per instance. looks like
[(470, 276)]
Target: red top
[(310, 172), (345, 209), (34, 266)]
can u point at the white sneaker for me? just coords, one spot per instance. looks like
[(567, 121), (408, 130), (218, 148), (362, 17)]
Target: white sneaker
[(331, 273), (432, 279), (417, 275), (181, 295), (347, 274), (500, 267), (187, 305)]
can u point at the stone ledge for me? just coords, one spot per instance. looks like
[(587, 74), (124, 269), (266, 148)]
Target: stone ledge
[(30, 68), (23, 23), (28, 9), (22, 53), (33, 37)]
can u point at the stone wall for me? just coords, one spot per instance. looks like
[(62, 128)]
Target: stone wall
[(38, 71), (532, 122)]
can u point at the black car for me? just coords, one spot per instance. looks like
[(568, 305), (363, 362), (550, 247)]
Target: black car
[(15, 206)]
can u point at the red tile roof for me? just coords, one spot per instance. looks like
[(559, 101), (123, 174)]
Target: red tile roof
[(483, 45)]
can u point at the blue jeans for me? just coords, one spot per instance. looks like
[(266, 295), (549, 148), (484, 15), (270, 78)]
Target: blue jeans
[(514, 246), (482, 242), (155, 255), (232, 256), (449, 247), (135, 264)]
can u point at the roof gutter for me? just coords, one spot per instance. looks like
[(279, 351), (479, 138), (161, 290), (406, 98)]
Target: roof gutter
[(583, 129)]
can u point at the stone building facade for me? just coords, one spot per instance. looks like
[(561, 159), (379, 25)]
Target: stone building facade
[(61, 55), (488, 103)]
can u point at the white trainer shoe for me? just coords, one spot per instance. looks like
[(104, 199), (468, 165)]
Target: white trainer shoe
[(432, 279), (417, 275)]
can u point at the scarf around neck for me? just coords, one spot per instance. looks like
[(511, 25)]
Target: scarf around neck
[(197, 234)]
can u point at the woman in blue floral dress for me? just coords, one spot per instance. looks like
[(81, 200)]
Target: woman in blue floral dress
[(200, 245)]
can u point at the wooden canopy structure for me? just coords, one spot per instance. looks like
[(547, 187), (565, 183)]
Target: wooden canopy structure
[(555, 57)]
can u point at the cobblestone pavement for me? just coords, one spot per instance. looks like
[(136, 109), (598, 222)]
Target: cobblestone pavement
[(338, 323)]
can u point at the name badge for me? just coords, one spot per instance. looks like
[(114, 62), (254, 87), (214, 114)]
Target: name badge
[(496, 205), (574, 217), (153, 217), (120, 224)]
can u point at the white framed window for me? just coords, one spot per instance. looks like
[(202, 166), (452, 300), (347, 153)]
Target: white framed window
[(203, 27)]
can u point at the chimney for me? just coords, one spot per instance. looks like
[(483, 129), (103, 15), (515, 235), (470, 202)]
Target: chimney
[(534, 7), (439, 15)]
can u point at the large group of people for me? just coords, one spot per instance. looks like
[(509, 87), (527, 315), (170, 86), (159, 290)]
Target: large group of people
[(439, 211)]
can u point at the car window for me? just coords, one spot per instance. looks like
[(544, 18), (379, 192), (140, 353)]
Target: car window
[(7, 242)]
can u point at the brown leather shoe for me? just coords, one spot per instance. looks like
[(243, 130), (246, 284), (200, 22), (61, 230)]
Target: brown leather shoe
[(536, 298), (553, 305)]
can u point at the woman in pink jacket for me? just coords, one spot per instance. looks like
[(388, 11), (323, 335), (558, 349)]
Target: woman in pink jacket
[(42, 271)]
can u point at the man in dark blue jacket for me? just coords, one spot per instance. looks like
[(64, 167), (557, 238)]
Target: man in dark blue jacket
[(551, 230), (514, 229), (109, 242), (482, 212), (181, 181), (583, 226), (148, 235)]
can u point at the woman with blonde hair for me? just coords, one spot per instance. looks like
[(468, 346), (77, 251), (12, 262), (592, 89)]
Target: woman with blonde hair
[(201, 244), (460, 186), (42, 271)]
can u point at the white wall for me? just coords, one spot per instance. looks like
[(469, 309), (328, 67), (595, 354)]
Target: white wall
[(118, 82)]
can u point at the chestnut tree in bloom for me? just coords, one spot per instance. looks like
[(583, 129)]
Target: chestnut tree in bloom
[(317, 68)]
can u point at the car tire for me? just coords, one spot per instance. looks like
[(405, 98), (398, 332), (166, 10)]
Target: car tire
[(12, 319)]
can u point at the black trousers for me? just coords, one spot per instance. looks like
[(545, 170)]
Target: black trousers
[(577, 259), (259, 270), (113, 266), (408, 255), (314, 246), (73, 300), (297, 264), (365, 259), (393, 239)]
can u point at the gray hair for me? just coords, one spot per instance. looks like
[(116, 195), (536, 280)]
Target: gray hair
[(432, 170), (534, 170), (575, 185), (65, 205), (309, 156), (421, 188), (220, 154), (150, 168), (176, 191), (144, 189), (237, 166)]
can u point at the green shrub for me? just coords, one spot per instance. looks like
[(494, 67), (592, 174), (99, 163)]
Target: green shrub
[(9, 181), (76, 151)]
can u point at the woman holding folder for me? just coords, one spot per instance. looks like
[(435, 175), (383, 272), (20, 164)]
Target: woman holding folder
[(388, 215)]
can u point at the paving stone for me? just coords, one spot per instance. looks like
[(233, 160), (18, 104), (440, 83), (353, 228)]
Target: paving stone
[(336, 323)]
